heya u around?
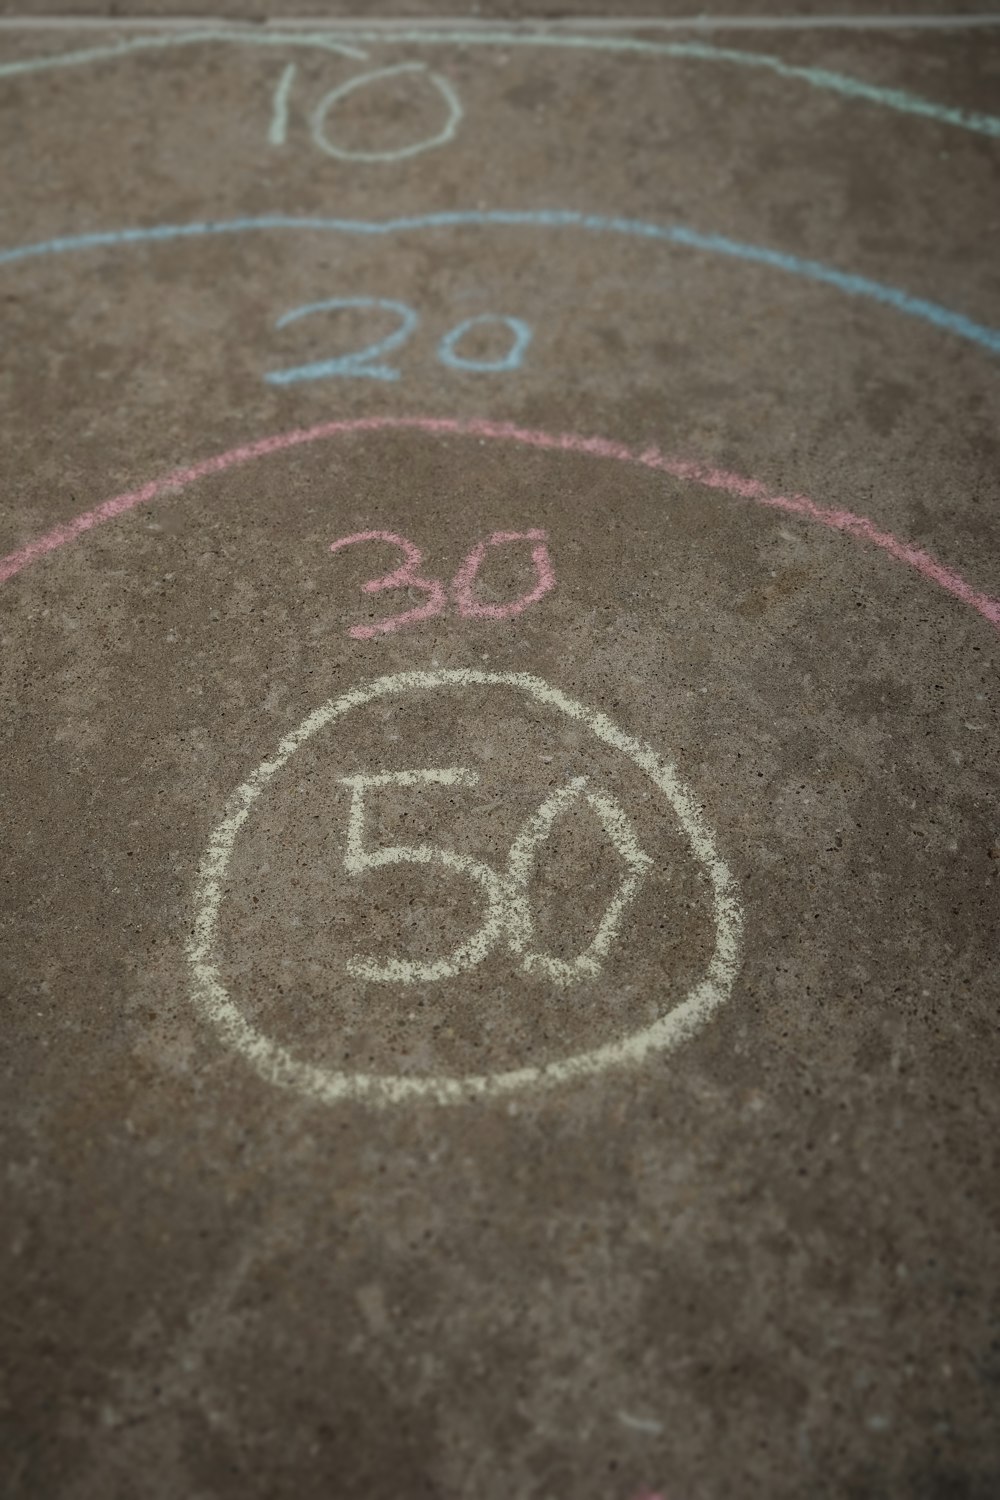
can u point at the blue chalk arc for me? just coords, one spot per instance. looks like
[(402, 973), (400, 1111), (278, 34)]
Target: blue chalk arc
[(667, 234)]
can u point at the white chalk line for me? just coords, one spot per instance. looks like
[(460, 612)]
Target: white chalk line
[(279, 120), (640, 1424), (522, 857), (185, 36), (276, 1064), (617, 24)]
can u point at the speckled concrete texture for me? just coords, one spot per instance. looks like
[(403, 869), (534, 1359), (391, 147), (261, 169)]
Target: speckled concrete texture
[(761, 1262)]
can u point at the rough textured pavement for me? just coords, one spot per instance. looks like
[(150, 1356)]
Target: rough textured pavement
[(631, 1129)]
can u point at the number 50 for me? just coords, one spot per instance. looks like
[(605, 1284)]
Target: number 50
[(504, 891)]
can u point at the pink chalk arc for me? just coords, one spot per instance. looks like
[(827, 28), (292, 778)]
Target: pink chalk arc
[(736, 485)]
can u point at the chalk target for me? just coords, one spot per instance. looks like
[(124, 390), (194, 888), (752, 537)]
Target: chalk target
[(346, 45), (737, 486), (274, 1062), (676, 235), (720, 980)]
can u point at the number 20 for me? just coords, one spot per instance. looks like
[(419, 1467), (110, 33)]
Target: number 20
[(406, 576), (368, 362)]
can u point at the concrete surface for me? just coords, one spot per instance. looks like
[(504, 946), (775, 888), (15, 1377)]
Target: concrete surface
[(759, 1262)]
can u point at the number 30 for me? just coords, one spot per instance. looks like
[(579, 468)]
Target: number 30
[(406, 576)]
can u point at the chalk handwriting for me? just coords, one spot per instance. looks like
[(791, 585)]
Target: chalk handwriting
[(448, 353), (678, 235), (466, 576), (358, 364), (406, 577), (320, 115), (508, 914), (319, 119), (740, 487), (856, 89), (503, 891)]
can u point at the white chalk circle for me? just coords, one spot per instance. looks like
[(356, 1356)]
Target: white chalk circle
[(277, 1065), (319, 116)]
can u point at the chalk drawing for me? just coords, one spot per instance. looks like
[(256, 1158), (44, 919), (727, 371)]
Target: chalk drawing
[(507, 913), (404, 577), (820, 78), (669, 234), (465, 578), (356, 364), (641, 1424), (400, 153), (737, 486), (620, 832), (898, 21), (277, 1064), (448, 354), (279, 111), (855, 89), (23, 67), (506, 892), (462, 586)]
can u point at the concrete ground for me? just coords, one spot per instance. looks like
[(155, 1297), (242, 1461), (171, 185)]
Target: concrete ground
[(630, 1129)]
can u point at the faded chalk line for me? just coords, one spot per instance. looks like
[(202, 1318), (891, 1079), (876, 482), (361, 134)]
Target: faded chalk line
[(471, 36), (736, 485), (668, 234), (31, 66), (278, 1066), (278, 129), (555, 24)]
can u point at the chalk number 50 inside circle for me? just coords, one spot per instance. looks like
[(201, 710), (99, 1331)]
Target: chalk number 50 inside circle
[(508, 917)]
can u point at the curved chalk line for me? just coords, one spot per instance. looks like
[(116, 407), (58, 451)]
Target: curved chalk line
[(898, 21), (736, 485), (448, 347), (820, 78), (671, 234), (28, 66), (350, 86), (278, 129), (277, 1065)]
